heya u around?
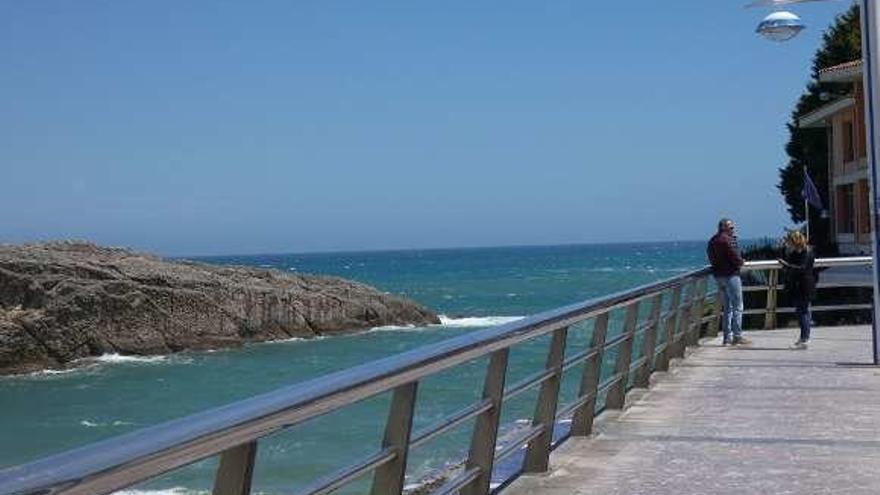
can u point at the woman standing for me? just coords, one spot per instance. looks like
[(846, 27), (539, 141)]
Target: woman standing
[(800, 283)]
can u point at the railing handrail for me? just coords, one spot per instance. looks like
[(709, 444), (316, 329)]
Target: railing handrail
[(121, 461), (820, 263)]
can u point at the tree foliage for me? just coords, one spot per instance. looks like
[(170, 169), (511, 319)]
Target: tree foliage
[(809, 147)]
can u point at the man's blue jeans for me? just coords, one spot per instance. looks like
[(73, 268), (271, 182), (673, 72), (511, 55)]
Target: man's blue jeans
[(732, 296)]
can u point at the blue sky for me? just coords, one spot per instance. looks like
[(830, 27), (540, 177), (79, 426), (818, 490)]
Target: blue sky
[(254, 127)]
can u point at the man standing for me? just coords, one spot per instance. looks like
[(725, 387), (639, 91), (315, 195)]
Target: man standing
[(726, 261)]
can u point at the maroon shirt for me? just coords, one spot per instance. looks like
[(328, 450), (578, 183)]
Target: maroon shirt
[(724, 255)]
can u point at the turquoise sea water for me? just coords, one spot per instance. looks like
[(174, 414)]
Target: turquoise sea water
[(50, 412)]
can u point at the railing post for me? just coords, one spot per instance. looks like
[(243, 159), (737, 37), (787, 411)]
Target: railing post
[(715, 324), (697, 310), (482, 451), (617, 393), (684, 321), (236, 470), (772, 284), (671, 324), (388, 478), (649, 348), (538, 453), (582, 420)]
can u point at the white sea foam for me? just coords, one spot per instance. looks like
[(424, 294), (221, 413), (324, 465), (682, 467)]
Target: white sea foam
[(477, 321), (52, 372), (291, 340), (119, 358), (178, 490), (630, 268), (392, 328), (94, 424)]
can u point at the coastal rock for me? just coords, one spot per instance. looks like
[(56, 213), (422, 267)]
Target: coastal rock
[(64, 301)]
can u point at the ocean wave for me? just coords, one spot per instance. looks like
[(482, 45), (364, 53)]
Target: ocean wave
[(177, 490), (392, 328), (647, 269), (477, 321), (46, 373), (95, 424), (120, 358)]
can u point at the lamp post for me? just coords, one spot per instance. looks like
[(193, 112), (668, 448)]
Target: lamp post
[(782, 26)]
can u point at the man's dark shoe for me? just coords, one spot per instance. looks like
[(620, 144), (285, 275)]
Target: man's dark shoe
[(741, 341), (725, 342)]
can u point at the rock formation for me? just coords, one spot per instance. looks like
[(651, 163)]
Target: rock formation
[(64, 301)]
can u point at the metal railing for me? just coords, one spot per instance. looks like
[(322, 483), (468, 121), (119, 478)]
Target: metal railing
[(678, 309), (773, 284)]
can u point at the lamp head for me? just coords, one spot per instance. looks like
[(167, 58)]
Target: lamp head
[(780, 26)]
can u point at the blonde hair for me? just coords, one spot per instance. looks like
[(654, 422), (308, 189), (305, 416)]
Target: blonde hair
[(796, 239)]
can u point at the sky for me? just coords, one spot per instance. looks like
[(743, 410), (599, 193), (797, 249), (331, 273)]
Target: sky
[(188, 128)]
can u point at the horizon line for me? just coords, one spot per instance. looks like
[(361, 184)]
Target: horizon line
[(451, 248)]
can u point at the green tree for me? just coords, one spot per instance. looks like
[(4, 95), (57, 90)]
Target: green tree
[(809, 147)]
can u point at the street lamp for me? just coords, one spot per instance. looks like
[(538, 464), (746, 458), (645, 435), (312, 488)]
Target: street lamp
[(785, 26)]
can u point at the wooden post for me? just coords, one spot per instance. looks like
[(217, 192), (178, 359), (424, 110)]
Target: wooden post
[(485, 434), (582, 420), (388, 478), (538, 453), (772, 284), (236, 470), (649, 349), (671, 324), (617, 393)]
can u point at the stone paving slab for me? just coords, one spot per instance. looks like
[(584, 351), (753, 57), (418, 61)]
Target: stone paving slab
[(763, 419)]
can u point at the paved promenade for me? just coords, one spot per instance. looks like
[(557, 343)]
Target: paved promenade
[(758, 420)]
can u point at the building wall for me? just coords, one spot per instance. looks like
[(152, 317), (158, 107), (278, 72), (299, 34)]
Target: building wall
[(850, 206)]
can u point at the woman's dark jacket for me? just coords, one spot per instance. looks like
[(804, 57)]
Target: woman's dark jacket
[(799, 279)]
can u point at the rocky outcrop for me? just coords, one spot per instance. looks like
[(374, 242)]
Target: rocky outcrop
[(64, 301)]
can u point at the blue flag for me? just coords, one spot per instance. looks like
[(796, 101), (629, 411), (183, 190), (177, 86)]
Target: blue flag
[(810, 193)]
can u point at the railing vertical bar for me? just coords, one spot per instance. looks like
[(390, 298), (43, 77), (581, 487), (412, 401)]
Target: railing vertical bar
[(485, 434), (684, 321), (617, 393), (715, 325), (538, 453), (697, 310), (671, 323), (772, 292), (582, 420), (643, 375), (236, 470), (388, 478)]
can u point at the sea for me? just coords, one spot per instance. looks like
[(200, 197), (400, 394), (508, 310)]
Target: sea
[(52, 411)]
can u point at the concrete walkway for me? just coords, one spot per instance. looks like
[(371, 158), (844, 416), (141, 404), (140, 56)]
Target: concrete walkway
[(758, 420)]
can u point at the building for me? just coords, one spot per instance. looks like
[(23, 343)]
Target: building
[(848, 194)]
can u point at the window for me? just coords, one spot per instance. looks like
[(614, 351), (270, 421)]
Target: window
[(864, 208), (849, 144), (845, 210)]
